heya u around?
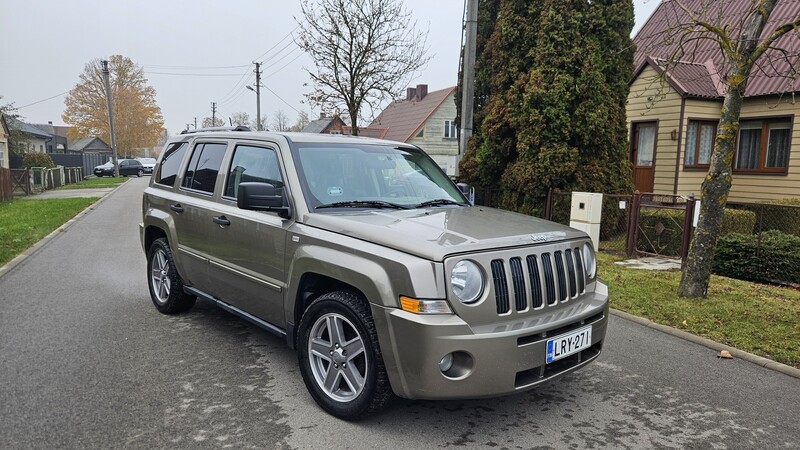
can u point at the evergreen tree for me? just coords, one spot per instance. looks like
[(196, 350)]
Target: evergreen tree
[(551, 86)]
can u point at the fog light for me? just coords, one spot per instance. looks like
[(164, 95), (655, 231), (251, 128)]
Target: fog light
[(446, 363)]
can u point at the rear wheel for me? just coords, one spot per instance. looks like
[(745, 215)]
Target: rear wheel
[(166, 286), (340, 358)]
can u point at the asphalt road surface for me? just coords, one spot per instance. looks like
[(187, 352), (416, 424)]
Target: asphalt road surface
[(87, 362)]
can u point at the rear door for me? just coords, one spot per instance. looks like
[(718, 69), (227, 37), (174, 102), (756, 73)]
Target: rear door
[(643, 155), (247, 267)]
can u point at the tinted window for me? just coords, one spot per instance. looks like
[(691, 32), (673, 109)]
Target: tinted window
[(171, 163), (201, 175), (253, 164)]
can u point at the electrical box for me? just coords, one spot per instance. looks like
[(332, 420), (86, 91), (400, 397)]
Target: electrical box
[(585, 214)]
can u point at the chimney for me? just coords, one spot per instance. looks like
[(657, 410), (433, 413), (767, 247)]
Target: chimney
[(422, 91), (411, 93), (49, 122)]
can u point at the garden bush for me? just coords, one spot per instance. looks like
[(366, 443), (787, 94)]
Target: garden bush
[(771, 256), (37, 160)]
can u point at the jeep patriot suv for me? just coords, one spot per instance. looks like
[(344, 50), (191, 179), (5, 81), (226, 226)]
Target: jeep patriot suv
[(369, 261)]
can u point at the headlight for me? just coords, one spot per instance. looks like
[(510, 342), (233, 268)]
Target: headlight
[(466, 280), (589, 261)]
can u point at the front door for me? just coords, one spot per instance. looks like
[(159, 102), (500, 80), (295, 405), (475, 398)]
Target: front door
[(643, 155)]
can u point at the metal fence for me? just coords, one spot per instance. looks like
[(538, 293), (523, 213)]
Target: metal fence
[(614, 224)]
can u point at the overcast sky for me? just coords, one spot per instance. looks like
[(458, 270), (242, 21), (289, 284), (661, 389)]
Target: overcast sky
[(193, 52)]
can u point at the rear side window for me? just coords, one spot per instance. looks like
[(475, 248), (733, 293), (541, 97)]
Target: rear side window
[(171, 163), (201, 175), (253, 164)]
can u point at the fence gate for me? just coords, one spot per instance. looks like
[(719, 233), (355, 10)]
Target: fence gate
[(21, 178), (661, 225)]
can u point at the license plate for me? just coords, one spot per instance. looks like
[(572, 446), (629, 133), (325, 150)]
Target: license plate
[(567, 344)]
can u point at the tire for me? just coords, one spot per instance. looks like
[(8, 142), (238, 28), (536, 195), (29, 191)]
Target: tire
[(166, 286), (139, 173), (358, 385)]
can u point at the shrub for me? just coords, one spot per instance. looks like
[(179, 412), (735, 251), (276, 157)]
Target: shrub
[(37, 160), (771, 256), (737, 221)]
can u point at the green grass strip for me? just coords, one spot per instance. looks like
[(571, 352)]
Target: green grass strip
[(24, 222), (756, 318), (96, 183)]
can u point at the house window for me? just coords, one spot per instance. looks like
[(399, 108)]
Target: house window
[(422, 131), (2, 153), (335, 132), (449, 129), (700, 136), (763, 145)]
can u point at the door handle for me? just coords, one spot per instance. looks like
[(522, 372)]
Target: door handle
[(221, 220), (176, 207)]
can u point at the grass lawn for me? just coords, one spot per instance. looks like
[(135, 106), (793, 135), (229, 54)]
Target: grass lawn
[(25, 222), (757, 318), (93, 183)]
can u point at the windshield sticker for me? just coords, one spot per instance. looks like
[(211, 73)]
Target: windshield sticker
[(335, 191)]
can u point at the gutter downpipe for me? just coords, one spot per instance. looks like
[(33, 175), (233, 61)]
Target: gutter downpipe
[(680, 140)]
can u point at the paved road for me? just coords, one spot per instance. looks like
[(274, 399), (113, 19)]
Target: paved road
[(87, 362)]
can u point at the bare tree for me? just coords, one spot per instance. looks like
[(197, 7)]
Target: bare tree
[(301, 122), (280, 122), (240, 118), (218, 122), (365, 53), (254, 123), (748, 46)]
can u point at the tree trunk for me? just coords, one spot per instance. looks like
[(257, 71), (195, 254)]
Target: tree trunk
[(715, 189)]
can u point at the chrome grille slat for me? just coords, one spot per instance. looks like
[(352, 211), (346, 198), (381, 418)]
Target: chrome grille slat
[(500, 286), (560, 276), (518, 281), (536, 282), (571, 273), (579, 266), (549, 281)]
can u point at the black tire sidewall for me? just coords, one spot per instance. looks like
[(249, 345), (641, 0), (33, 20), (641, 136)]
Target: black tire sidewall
[(353, 409), (178, 301)]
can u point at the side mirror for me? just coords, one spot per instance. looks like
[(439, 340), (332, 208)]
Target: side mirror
[(463, 187), (261, 197)]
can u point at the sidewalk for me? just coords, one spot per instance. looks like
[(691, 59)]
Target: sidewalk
[(70, 193)]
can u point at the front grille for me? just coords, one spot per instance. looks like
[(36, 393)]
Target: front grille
[(550, 277)]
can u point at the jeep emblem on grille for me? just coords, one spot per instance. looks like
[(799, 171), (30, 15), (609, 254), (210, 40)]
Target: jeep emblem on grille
[(539, 237)]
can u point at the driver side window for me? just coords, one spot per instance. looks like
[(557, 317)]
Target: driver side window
[(253, 164)]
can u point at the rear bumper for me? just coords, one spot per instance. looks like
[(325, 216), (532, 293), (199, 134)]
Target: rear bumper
[(503, 359)]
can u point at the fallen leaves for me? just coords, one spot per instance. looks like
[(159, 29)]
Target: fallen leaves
[(724, 354)]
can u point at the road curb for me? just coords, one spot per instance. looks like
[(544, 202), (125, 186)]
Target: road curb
[(19, 259), (736, 353)]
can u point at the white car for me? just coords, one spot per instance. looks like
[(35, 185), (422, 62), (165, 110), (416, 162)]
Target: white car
[(148, 164)]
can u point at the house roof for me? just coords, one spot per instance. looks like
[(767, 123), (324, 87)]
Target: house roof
[(317, 126), (689, 78), (28, 129), (373, 132), (5, 131), (85, 142), (652, 41), (403, 118)]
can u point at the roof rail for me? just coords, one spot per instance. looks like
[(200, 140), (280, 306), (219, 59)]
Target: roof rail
[(205, 130)]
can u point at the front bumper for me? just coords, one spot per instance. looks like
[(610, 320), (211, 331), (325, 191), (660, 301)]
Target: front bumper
[(492, 360)]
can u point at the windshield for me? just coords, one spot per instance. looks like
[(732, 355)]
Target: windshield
[(371, 176)]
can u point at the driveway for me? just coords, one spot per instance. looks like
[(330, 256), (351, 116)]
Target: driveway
[(87, 362)]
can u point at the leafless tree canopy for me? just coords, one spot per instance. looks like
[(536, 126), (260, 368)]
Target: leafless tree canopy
[(280, 122), (365, 53)]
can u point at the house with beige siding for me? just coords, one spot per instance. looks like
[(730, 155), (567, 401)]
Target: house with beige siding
[(4, 135), (425, 119), (674, 107)]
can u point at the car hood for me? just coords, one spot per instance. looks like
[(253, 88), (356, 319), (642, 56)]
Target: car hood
[(435, 233)]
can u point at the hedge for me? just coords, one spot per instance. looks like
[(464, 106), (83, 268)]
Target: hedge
[(785, 216), (669, 222), (772, 257), (37, 159)]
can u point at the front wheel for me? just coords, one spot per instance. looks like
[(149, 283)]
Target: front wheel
[(139, 173), (340, 359), (166, 286)]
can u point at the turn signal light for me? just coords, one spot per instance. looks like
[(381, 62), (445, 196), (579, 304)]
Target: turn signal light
[(416, 306)]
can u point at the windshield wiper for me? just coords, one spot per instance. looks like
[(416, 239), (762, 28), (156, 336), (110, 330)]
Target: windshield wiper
[(440, 202), (363, 204)]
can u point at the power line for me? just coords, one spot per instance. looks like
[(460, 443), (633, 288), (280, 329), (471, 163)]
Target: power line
[(40, 101), (284, 101), (275, 62), (277, 43), (196, 74), (156, 66), (286, 65), (238, 83)]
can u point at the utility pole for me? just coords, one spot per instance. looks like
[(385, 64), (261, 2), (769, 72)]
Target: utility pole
[(468, 82), (110, 118), (258, 96), (213, 114), (195, 123)]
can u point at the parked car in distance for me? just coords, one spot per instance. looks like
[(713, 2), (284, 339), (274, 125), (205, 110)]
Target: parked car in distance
[(147, 164), (126, 167)]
